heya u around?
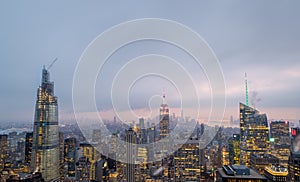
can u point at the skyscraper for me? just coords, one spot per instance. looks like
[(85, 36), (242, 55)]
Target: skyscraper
[(280, 141), (254, 133), (131, 139), (45, 146), (164, 119)]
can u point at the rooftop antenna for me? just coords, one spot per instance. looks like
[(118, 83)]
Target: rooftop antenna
[(48, 68), (246, 82), (164, 96)]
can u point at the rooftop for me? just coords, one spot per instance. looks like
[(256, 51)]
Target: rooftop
[(239, 171)]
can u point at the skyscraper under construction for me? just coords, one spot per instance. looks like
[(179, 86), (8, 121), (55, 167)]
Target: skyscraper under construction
[(45, 146)]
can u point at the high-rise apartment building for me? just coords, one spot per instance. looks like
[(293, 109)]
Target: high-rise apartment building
[(45, 145), (254, 133)]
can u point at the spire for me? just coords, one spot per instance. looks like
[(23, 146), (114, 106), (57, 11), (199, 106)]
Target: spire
[(164, 97), (246, 83)]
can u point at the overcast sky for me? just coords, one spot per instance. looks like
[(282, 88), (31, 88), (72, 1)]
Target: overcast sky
[(261, 38)]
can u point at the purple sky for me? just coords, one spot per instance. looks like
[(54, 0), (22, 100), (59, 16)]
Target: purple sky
[(258, 37)]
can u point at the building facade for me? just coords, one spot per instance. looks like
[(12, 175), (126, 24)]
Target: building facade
[(131, 140), (276, 173), (254, 133), (280, 142), (45, 145), (187, 162), (234, 149), (164, 121)]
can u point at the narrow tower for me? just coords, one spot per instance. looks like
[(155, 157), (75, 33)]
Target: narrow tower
[(45, 145)]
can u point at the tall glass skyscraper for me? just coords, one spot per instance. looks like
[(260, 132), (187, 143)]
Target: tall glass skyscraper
[(45, 145), (254, 133)]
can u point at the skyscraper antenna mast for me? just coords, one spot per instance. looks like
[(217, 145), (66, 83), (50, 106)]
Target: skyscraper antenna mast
[(246, 83)]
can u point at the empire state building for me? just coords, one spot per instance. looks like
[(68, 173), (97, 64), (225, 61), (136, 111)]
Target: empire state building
[(164, 119), (45, 147)]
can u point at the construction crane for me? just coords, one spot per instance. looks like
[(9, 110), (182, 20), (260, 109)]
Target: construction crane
[(48, 68)]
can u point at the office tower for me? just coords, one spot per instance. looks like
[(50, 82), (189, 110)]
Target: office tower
[(28, 147), (261, 161), (187, 161), (254, 133), (276, 173), (234, 149), (238, 173), (164, 119), (93, 155), (70, 156), (130, 139), (280, 141), (3, 150), (45, 145), (83, 169)]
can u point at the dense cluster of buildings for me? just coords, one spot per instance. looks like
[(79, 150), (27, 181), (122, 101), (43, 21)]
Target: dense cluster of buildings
[(259, 151)]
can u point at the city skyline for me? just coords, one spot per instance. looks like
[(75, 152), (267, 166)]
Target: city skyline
[(150, 91), (266, 47)]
